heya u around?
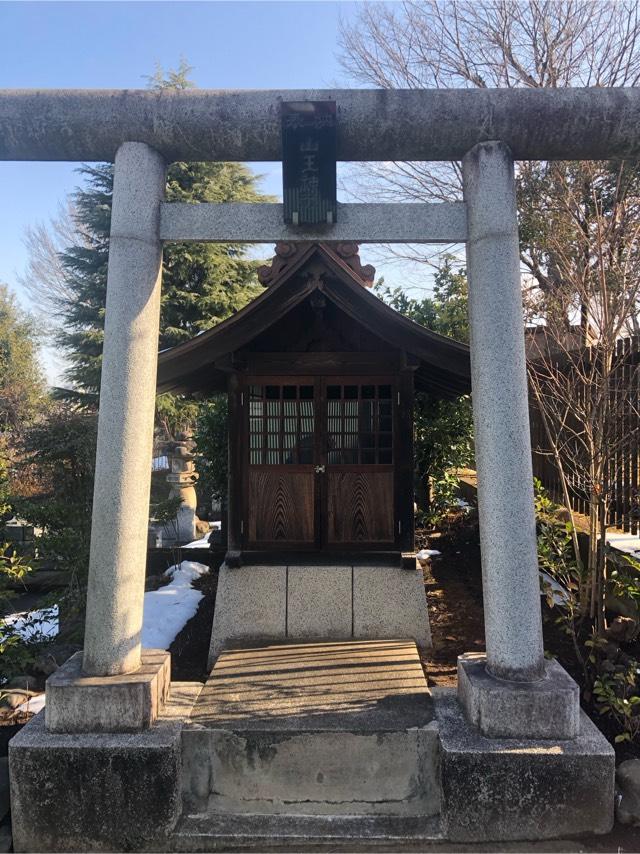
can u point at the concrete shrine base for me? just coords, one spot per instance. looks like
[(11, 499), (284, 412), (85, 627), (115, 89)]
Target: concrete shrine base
[(323, 745), (363, 601)]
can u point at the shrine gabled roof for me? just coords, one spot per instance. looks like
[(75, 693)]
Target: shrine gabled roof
[(444, 367)]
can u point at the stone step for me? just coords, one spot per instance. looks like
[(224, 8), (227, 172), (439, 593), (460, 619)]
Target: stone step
[(296, 833), (324, 728)]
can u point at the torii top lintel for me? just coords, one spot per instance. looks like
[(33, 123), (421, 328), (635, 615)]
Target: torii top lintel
[(373, 124)]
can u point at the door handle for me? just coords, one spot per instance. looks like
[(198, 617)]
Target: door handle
[(319, 469)]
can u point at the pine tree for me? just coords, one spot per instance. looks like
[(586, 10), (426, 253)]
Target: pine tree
[(202, 283)]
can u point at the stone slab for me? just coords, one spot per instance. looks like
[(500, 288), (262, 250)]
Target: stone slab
[(370, 686), (128, 703), (251, 603), (509, 789), (390, 602), (319, 602), (336, 728), (304, 833), (93, 791), (547, 708)]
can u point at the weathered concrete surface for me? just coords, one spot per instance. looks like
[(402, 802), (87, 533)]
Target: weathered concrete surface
[(251, 603), (118, 554), (311, 773), (547, 708), (509, 789), (512, 617), (415, 124), (93, 792), (129, 702), (319, 601), (360, 223), (324, 728), (390, 602)]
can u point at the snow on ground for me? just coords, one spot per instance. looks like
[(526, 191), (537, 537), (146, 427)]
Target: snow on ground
[(33, 704), (168, 609), (203, 542), (627, 543), (33, 625)]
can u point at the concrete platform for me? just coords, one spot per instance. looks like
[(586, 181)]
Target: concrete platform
[(327, 728), (314, 746), (373, 686)]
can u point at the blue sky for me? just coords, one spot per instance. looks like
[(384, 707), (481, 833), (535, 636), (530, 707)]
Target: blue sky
[(116, 44)]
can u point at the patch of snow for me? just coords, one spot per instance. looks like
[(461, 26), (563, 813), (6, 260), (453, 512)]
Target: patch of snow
[(558, 593), (168, 609), (423, 554), (203, 542), (33, 625), (627, 543), (33, 704)]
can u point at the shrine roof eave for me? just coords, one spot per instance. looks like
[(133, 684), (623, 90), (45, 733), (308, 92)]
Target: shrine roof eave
[(194, 366)]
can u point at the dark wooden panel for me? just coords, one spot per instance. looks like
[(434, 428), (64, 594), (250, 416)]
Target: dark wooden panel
[(350, 363), (280, 506), (360, 507)]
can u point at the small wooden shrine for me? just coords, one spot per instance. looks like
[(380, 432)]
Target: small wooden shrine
[(320, 375)]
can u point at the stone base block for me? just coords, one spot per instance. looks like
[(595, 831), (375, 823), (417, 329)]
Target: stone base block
[(267, 603), (94, 792), (548, 708), (128, 703), (497, 790)]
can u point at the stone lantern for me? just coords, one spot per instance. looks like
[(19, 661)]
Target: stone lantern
[(182, 478)]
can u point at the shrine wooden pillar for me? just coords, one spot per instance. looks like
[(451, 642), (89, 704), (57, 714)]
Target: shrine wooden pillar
[(404, 465), (235, 469)]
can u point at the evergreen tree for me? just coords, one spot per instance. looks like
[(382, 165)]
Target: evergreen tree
[(202, 283), (22, 391), (21, 382)]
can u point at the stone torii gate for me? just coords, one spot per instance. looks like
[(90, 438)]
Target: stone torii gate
[(517, 694)]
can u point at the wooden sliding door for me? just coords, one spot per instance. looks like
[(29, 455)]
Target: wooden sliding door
[(320, 463), (358, 449), (280, 486)]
